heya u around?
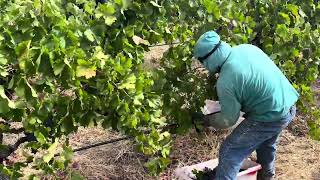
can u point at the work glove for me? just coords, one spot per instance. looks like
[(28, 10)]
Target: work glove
[(210, 121)]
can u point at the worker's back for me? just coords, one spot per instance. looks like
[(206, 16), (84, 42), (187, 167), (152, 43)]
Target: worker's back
[(263, 91)]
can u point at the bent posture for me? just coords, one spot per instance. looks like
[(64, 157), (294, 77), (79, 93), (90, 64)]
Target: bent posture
[(250, 82)]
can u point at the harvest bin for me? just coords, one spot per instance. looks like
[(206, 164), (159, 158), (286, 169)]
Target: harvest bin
[(250, 170)]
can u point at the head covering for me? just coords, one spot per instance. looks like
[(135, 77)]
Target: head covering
[(205, 44)]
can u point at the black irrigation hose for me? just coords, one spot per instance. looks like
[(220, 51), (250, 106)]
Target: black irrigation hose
[(102, 143), (171, 126)]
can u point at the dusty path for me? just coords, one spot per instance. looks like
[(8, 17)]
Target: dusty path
[(298, 158)]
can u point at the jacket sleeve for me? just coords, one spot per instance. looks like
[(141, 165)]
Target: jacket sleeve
[(230, 109)]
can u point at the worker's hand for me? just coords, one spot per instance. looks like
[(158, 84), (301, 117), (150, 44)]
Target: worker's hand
[(211, 122), (202, 122)]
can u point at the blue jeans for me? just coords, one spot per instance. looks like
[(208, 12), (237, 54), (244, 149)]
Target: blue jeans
[(249, 136)]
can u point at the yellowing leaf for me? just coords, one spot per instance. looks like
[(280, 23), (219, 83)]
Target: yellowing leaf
[(124, 3), (87, 72), (32, 121), (138, 40), (100, 55), (129, 83), (127, 86), (109, 20), (165, 152), (89, 35), (51, 152)]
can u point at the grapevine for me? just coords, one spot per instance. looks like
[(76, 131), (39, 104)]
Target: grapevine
[(65, 64)]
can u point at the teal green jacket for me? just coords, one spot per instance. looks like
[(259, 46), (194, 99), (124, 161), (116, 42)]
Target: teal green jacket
[(249, 81)]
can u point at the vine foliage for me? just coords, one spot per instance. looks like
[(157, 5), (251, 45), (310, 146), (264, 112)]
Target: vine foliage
[(71, 63)]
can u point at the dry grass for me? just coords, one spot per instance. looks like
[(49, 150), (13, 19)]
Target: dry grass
[(121, 161), (297, 158), (152, 57), (193, 148), (115, 161)]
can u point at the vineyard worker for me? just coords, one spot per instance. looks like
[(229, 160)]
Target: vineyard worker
[(250, 82)]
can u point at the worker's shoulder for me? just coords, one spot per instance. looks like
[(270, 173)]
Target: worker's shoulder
[(246, 47), (248, 54), (249, 51)]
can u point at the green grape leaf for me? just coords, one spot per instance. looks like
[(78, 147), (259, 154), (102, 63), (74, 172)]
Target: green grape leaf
[(294, 9), (138, 99), (51, 152), (129, 83), (125, 4), (58, 68), (4, 107), (67, 153), (106, 9), (22, 52), (9, 103), (3, 60), (40, 137), (285, 17)]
